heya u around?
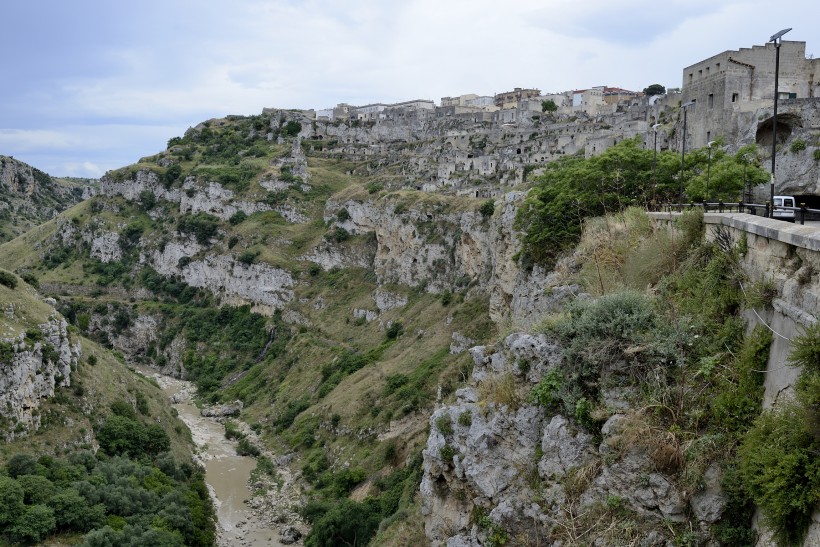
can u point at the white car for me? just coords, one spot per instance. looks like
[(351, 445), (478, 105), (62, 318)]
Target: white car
[(780, 213)]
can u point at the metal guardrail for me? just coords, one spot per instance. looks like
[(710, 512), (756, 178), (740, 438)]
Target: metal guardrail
[(742, 207)]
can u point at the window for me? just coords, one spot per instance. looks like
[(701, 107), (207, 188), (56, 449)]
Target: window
[(734, 97), (708, 136), (711, 100), (717, 66)]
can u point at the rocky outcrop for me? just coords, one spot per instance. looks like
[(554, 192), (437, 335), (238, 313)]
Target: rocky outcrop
[(29, 197), (193, 197), (265, 287), (32, 367), (497, 465)]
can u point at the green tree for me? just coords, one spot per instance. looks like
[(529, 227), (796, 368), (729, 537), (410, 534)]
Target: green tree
[(346, 523), (11, 500), (548, 106), (36, 489), (34, 524), (654, 89)]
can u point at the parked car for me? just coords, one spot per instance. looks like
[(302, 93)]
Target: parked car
[(780, 208)]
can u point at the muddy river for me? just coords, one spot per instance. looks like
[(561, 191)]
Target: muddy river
[(226, 473)]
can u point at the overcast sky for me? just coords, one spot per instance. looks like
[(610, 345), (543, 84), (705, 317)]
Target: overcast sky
[(92, 85)]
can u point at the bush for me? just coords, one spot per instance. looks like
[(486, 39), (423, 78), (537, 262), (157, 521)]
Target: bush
[(31, 279), (798, 145), (237, 218), (8, 279), (202, 225), (291, 129), (345, 523), (740, 390), (444, 424), (11, 500), (34, 524), (779, 466), (487, 208), (395, 330), (816, 154), (248, 257)]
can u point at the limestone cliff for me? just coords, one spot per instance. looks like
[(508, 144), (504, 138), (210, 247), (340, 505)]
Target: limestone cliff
[(34, 363), (29, 197), (502, 467)]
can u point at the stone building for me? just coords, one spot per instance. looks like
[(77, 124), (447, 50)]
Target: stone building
[(730, 87), (510, 99)]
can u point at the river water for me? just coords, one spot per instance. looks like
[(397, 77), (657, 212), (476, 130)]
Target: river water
[(226, 473)]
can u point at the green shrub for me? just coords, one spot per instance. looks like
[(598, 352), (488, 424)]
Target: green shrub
[(237, 218), (374, 187), (444, 424), (344, 523), (465, 418), (11, 500), (798, 145), (246, 448), (6, 352), (805, 350), (343, 215), (487, 208), (546, 391), (395, 330), (248, 257), (816, 154), (779, 465), (34, 524), (201, 225), (291, 129), (8, 279), (740, 389), (447, 453), (30, 278)]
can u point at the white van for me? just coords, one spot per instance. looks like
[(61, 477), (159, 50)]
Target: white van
[(783, 214)]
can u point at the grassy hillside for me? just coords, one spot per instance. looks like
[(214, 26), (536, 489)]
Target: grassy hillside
[(53, 482), (30, 197), (351, 397)]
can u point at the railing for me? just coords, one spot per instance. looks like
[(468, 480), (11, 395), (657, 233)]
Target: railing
[(743, 207)]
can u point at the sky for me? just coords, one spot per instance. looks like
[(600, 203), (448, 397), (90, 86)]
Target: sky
[(92, 85)]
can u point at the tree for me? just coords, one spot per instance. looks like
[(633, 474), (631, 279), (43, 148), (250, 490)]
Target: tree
[(35, 524), (654, 89), (36, 489), (11, 500), (548, 106)]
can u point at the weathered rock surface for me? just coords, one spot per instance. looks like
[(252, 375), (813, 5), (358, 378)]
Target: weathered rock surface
[(510, 462), (33, 371)]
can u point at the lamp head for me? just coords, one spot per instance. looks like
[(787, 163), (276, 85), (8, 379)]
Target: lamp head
[(688, 104), (710, 143)]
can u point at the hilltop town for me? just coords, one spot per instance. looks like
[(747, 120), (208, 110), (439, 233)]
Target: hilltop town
[(471, 144)]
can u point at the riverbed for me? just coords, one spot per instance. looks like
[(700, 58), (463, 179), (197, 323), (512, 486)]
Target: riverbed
[(226, 473)]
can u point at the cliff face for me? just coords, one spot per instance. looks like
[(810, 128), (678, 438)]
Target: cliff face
[(34, 363), (29, 197), (498, 466)]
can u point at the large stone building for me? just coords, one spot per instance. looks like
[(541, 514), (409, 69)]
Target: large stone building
[(510, 99), (730, 87)]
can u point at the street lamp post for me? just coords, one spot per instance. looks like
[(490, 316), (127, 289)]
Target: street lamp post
[(708, 167), (683, 152), (746, 159), (776, 39), (655, 162)]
